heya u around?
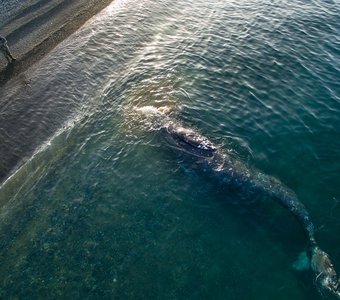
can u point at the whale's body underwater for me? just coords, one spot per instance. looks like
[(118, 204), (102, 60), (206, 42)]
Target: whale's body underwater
[(236, 174)]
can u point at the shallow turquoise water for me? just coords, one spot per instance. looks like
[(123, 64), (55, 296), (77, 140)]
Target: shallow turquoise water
[(102, 208)]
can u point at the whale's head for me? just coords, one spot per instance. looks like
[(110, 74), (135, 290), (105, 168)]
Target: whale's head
[(190, 141)]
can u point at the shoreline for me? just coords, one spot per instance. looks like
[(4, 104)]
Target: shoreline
[(34, 30)]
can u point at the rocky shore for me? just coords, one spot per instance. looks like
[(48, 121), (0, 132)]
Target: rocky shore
[(34, 27)]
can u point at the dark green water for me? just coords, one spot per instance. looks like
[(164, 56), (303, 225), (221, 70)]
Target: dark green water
[(102, 208)]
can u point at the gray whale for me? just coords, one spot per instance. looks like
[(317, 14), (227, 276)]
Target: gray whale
[(236, 174)]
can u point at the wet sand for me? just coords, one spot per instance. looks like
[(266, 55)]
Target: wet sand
[(33, 28)]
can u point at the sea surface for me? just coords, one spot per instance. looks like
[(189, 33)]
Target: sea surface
[(96, 205)]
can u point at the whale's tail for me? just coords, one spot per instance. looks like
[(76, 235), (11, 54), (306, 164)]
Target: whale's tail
[(326, 278), (236, 173)]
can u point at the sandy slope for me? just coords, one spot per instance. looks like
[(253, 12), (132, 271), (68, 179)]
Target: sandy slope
[(34, 27)]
